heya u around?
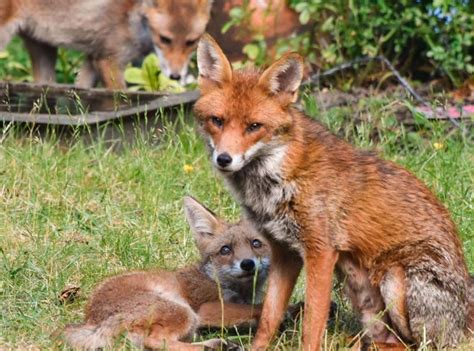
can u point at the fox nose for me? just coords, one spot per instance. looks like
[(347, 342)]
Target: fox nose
[(175, 76), (247, 265), (224, 159)]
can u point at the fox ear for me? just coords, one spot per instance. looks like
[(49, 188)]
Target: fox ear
[(201, 220), (284, 76), (214, 68)]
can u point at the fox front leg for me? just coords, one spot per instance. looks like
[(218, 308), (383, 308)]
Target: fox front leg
[(284, 271), (319, 271)]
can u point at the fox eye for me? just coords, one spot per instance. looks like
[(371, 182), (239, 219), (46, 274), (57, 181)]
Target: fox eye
[(254, 127), (191, 42), (256, 243), (225, 250), (218, 122), (165, 40)]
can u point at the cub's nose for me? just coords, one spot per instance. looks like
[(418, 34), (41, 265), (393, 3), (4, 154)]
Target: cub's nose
[(224, 159), (175, 76), (247, 265)]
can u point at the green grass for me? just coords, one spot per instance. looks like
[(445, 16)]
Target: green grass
[(74, 214)]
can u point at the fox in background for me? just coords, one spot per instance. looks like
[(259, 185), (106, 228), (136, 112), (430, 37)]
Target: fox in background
[(333, 207), (111, 33), (164, 309)]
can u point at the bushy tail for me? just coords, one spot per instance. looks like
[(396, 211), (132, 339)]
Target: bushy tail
[(92, 336)]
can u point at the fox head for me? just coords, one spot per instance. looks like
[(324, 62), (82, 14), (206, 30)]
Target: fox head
[(232, 253), (244, 115), (176, 27)]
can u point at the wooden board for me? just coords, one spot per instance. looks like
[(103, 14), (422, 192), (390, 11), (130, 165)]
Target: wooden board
[(68, 105)]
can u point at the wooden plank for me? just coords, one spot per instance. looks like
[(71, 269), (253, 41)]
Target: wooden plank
[(158, 101)]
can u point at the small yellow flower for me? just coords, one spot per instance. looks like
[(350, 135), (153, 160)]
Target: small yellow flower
[(188, 168), (438, 146)]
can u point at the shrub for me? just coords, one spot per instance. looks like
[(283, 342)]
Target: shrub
[(422, 38)]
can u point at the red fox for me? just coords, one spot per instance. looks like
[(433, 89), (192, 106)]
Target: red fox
[(158, 309), (111, 33), (332, 207)]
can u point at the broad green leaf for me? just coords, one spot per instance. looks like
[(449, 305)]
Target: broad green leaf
[(133, 75), (304, 17), (251, 50)]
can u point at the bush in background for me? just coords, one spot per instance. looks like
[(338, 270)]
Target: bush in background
[(424, 39)]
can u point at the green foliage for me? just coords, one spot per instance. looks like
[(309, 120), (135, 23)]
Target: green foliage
[(15, 63), (75, 212), (422, 38), (432, 36), (150, 78)]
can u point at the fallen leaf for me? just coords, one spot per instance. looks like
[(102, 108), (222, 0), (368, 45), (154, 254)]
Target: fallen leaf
[(69, 294)]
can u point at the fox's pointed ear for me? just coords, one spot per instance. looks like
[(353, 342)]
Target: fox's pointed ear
[(214, 68), (284, 76), (203, 222)]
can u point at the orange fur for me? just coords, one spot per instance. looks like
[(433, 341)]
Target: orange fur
[(336, 206), (158, 308)]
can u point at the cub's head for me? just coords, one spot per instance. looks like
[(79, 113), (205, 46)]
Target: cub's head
[(244, 114), (175, 28), (232, 253)]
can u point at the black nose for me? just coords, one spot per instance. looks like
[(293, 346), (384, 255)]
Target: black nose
[(224, 159), (175, 76), (247, 265)]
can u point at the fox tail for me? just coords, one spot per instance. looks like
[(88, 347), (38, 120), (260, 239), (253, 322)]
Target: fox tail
[(92, 336)]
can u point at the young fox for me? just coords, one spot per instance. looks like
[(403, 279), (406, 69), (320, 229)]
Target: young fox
[(157, 309), (333, 207), (110, 32)]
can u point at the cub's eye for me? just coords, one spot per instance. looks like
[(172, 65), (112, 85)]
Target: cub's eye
[(218, 122), (225, 250), (254, 127), (165, 40), (256, 243), (191, 42)]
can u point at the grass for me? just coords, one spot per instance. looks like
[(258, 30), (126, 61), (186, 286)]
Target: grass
[(75, 212), (72, 214)]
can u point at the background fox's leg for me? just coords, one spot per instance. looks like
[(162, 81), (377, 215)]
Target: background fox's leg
[(210, 314), (320, 266), (285, 268), (43, 59), (88, 75), (111, 73), (6, 34)]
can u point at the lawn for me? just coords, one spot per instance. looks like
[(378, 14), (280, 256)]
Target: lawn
[(73, 213)]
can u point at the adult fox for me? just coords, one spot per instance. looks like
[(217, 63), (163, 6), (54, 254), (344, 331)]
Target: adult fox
[(163, 309), (333, 207), (110, 32)]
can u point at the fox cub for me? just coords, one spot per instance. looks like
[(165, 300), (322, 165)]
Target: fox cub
[(164, 309), (333, 207)]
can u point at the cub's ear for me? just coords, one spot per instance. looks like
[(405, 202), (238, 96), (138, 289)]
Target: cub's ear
[(284, 76), (203, 222), (214, 68)]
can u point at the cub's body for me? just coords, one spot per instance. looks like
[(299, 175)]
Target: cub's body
[(163, 308)]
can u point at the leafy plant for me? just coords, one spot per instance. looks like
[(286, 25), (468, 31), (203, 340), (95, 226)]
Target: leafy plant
[(426, 38), (423, 38), (150, 78)]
